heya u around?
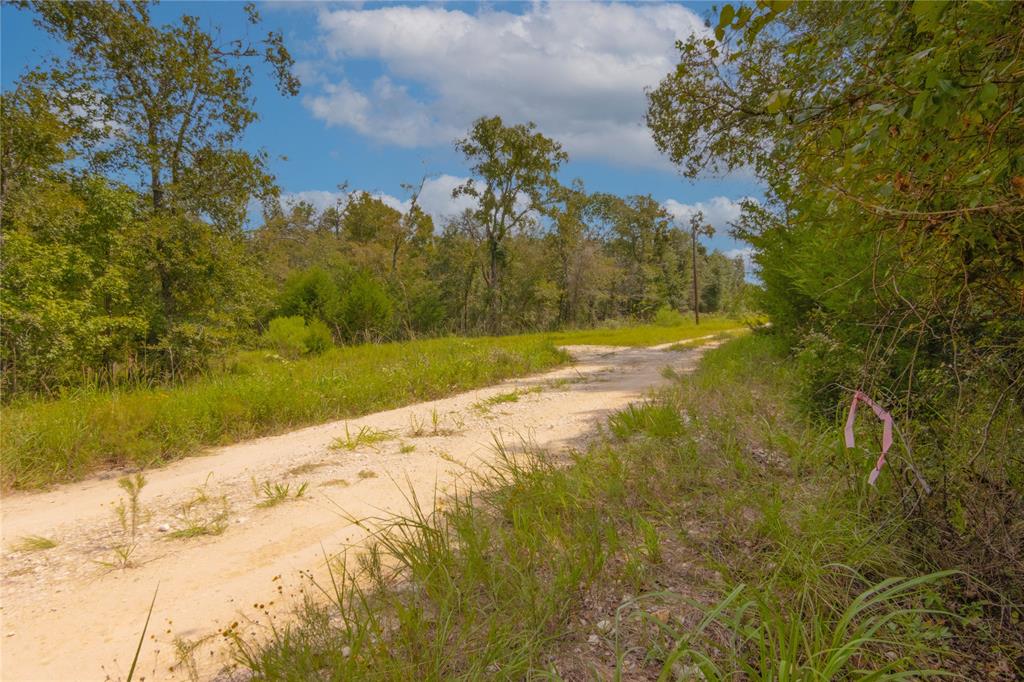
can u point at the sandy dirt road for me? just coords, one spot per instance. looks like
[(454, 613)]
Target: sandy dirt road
[(67, 616)]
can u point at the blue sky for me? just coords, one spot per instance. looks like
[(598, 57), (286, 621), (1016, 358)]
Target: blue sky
[(388, 87)]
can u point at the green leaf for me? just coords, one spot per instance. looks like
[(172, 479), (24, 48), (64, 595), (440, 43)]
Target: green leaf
[(922, 100), (928, 12), (988, 93), (726, 16)]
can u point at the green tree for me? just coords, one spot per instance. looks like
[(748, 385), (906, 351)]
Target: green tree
[(514, 169), (171, 101), (891, 244)]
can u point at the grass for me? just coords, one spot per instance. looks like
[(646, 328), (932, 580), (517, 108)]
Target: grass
[(503, 398), (202, 514), (648, 334), (668, 550), (273, 494), (365, 437), (52, 441), (34, 543)]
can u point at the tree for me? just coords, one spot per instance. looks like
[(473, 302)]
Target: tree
[(891, 241), (171, 101), (698, 228), (514, 169)]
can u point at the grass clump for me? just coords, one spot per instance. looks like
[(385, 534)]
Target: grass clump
[(365, 437), (649, 334), (34, 543), (48, 441), (203, 514), (667, 551), (503, 398), (272, 494)]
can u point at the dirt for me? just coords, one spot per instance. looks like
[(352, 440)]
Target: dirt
[(69, 613)]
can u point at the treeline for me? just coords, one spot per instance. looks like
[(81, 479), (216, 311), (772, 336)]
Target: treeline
[(125, 194), (891, 138)]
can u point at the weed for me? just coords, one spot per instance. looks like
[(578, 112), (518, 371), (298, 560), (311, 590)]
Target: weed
[(406, 448), (502, 398), (365, 437), (34, 543), (495, 582), (130, 515), (367, 473), (417, 427), (47, 441), (273, 494), (657, 420), (203, 514)]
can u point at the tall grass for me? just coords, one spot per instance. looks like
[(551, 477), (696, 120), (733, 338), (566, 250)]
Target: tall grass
[(649, 334), (259, 394), (531, 575)]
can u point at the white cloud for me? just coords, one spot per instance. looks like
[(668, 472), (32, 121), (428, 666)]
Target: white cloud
[(718, 211), (576, 69), (435, 198)]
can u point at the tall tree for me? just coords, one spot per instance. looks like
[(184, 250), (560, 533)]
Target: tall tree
[(698, 228), (514, 169), (172, 101)]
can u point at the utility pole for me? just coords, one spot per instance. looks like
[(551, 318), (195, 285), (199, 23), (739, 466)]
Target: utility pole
[(697, 227)]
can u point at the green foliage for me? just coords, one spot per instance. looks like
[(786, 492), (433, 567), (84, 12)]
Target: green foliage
[(890, 244), (66, 439), (311, 294), (547, 569), (318, 337), (365, 310), (668, 317), (286, 335)]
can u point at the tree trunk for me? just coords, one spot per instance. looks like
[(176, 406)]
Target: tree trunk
[(696, 300)]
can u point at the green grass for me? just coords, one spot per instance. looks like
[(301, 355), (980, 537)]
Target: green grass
[(34, 543), (669, 550), (648, 334), (66, 439), (504, 398), (273, 494), (365, 437)]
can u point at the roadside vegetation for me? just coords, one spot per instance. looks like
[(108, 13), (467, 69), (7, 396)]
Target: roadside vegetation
[(713, 530), (258, 394)]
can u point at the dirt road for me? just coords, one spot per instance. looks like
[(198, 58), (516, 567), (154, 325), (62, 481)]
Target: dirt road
[(68, 615)]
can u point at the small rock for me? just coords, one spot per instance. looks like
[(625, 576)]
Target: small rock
[(891, 655), (604, 625), (164, 528), (662, 615), (593, 639), (346, 651)]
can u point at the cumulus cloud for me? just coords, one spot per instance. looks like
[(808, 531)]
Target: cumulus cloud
[(576, 69), (718, 211), (435, 198)]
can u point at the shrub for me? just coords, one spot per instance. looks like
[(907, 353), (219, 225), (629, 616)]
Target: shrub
[(318, 337), (668, 317), (286, 335)]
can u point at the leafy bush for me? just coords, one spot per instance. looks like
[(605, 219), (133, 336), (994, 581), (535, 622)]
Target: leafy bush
[(668, 317), (366, 309), (318, 337), (293, 336), (286, 335), (311, 293)]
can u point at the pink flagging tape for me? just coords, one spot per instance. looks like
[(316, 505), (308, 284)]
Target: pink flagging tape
[(886, 430)]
